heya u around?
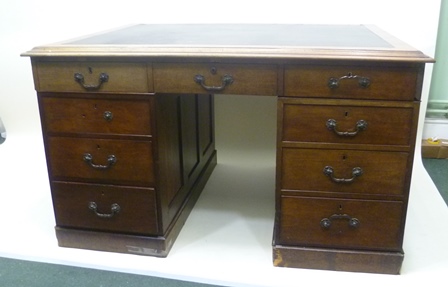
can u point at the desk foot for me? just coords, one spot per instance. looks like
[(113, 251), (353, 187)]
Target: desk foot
[(338, 260)]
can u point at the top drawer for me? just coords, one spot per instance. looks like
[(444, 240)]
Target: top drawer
[(351, 82), (244, 79), (92, 76)]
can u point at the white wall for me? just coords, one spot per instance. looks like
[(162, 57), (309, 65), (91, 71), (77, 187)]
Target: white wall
[(28, 23)]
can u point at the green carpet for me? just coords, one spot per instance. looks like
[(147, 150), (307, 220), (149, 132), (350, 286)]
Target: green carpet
[(20, 273), (438, 170)]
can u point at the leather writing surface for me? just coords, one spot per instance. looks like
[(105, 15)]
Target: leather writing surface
[(240, 35)]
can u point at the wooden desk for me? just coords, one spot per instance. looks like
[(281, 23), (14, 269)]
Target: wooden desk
[(128, 126)]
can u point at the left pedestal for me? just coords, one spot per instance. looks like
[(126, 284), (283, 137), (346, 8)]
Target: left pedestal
[(125, 165)]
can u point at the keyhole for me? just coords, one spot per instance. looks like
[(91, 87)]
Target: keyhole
[(95, 106), (98, 147), (346, 114), (344, 157), (213, 70), (340, 207), (90, 70)]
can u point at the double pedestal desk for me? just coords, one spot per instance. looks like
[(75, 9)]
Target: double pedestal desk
[(128, 125)]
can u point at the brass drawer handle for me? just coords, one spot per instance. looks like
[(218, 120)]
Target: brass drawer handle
[(363, 82), (114, 209), (79, 78), (332, 125), (352, 222), (226, 80), (356, 172), (111, 160)]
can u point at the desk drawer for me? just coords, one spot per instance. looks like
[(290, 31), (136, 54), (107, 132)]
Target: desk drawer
[(351, 82), (349, 122), (351, 171), (96, 116), (101, 160), (241, 79), (341, 223), (93, 77), (105, 208)]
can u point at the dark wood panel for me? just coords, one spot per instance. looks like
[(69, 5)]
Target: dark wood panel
[(248, 79), (137, 207), (96, 116), (379, 223), (122, 77), (181, 161), (169, 161), (189, 134), (321, 122), (206, 123), (381, 172), (385, 83), (134, 164)]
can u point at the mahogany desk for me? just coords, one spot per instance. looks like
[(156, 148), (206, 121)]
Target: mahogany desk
[(128, 126)]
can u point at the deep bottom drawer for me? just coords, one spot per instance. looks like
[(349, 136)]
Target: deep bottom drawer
[(105, 208), (340, 223)]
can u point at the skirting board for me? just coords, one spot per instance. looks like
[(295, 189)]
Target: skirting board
[(435, 127)]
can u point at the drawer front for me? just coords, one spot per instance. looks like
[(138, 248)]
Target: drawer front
[(96, 116), (215, 79), (101, 160), (93, 77), (341, 223), (351, 171), (105, 208), (345, 123), (351, 82)]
